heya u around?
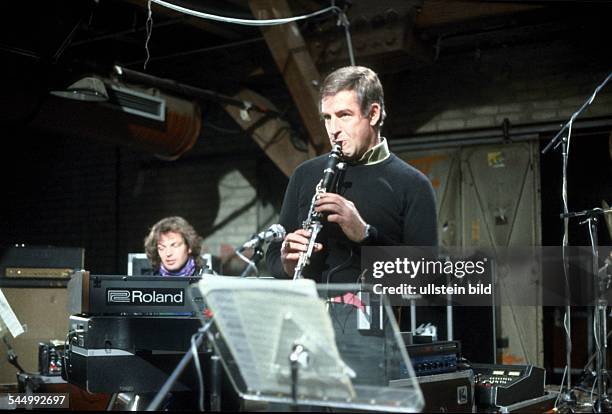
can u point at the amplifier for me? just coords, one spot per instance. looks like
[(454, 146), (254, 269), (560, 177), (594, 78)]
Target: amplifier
[(504, 385), (432, 358), (37, 273), (451, 392), (38, 266), (41, 257), (132, 295)]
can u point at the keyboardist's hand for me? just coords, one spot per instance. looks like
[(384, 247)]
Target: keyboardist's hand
[(291, 247)]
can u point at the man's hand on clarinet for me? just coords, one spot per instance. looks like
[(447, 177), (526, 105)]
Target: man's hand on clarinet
[(291, 247), (342, 211)]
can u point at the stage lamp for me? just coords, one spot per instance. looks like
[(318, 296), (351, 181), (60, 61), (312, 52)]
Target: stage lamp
[(88, 89)]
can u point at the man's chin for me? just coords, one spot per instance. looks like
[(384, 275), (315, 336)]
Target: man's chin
[(349, 157)]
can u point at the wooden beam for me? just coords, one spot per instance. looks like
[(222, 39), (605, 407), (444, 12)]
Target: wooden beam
[(272, 135), (297, 67)]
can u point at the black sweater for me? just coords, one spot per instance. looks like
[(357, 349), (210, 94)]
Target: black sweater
[(392, 196)]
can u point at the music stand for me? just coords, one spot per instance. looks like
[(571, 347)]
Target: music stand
[(277, 343), (9, 321)]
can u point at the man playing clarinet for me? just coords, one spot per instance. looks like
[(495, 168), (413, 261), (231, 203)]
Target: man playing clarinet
[(378, 199)]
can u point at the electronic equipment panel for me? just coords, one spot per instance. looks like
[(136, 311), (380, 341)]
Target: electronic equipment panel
[(433, 358), (503, 385), (126, 354)]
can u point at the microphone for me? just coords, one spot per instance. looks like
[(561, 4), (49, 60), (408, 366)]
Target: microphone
[(275, 233)]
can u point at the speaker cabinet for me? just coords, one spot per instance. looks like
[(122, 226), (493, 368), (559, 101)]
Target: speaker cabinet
[(44, 312)]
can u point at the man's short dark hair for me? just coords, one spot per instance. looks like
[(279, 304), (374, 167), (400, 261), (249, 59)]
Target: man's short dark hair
[(177, 225), (364, 81)]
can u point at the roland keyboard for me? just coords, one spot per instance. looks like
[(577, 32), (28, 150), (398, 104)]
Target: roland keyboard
[(118, 295)]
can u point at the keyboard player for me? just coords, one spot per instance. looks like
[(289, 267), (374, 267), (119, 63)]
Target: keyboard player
[(173, 248)]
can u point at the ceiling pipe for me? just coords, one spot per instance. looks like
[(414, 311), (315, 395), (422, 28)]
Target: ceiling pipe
[(170, 85)]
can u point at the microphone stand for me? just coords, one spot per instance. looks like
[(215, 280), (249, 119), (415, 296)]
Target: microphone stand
[(568, 125), (12, 356), (600, 286), (562, 138), (258, 254), (275, 233), (568, 396)]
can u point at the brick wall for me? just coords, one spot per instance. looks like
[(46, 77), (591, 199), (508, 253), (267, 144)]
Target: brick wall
[(530, 84)]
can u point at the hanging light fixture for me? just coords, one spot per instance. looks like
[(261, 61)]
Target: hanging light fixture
[(88, 89)]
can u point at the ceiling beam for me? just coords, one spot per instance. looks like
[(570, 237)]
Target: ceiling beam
[(297, 67), (272, 134)]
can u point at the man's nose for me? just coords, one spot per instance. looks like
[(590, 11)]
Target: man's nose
[(334, 127)]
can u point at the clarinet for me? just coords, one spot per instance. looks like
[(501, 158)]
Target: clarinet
[(313, 221)]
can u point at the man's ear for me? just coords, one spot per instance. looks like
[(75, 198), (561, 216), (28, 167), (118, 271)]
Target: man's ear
[(374, 114)]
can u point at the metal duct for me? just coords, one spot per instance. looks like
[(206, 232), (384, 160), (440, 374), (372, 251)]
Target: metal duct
[(145, 120)]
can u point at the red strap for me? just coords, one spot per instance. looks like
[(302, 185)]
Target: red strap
[(349, 299)]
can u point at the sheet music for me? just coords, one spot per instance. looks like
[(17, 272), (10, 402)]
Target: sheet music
[(252, 315), (8, 317)]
